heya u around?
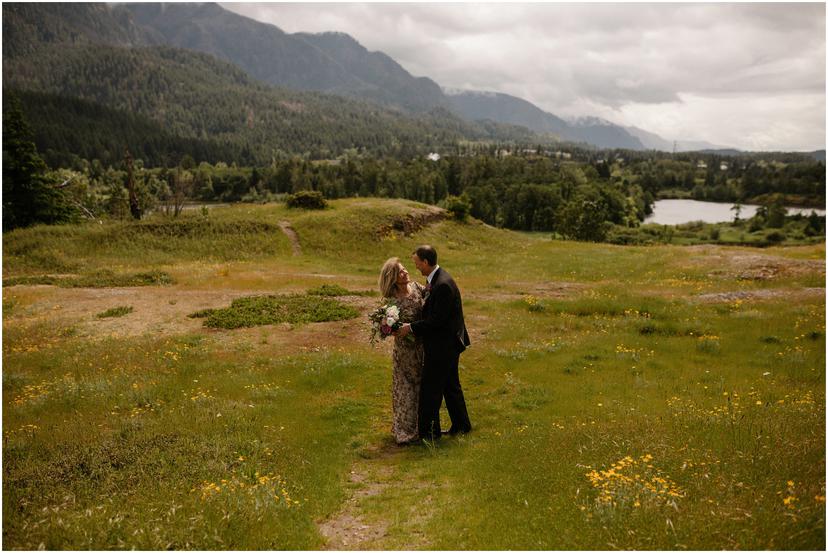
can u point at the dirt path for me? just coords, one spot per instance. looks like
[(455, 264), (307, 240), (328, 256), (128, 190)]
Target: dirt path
[(292, 236), (350, 529)]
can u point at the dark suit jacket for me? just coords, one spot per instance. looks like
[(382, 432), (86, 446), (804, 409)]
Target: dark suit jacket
[(442, 327)]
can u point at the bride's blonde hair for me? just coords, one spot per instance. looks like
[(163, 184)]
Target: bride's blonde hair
[(388, 277)]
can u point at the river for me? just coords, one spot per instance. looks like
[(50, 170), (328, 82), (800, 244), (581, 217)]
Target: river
[(676, 212)]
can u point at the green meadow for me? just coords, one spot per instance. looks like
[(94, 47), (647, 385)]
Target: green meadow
[(622, 397)]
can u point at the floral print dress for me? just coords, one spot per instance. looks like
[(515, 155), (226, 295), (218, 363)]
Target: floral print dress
[(407, 370)]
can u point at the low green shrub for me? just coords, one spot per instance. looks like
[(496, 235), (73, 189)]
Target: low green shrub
[(266, 310), (307, 199), (775, 237), (202, 314), (334, 290), (115, 312), (99, 279), (625, 236)]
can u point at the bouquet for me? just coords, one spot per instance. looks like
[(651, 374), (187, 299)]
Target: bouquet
[(384, 321)]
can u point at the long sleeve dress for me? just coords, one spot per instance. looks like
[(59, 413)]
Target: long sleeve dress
[(407, 371)]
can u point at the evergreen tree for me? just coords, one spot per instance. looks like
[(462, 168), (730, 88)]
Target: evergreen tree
[(776, 214), (27, 196)]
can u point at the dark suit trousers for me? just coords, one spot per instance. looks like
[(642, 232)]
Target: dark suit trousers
[(441, 378)]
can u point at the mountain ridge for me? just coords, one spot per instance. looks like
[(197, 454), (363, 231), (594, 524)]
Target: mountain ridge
[(656, 142), (506, 108), (330, 62), (325, 62), (196, 95), (355, 71)]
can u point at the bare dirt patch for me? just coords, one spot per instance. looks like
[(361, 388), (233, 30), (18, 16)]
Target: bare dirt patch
[(292, 236), (413, 221), (766, 267), (765, 294), (740, 265), (161, 310), (165, 310)]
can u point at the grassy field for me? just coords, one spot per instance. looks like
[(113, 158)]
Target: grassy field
[(622, 397)]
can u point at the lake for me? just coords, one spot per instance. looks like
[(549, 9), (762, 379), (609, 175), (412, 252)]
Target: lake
[(676, 212)]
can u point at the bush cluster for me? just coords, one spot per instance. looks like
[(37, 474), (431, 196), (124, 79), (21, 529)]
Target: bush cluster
[(266, 310), (459, 206), (307, 199), (99, 279)]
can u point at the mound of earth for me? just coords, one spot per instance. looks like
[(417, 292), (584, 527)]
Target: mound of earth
[(413, 221)]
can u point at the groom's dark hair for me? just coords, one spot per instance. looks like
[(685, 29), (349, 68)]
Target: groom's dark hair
[(427, 253)]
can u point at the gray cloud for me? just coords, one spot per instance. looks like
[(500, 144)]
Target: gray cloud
[(674, 69)]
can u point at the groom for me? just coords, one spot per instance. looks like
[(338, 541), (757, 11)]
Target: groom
[(444, 339)]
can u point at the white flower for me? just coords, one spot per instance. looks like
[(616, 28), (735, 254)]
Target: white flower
[(393, 314)]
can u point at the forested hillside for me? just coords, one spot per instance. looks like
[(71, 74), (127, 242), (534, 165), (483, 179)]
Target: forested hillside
[(326, 62), (69, 130), (32, 26), (91, 53), (194, 95)]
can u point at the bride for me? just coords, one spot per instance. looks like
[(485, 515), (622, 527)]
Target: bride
[(395, 287)]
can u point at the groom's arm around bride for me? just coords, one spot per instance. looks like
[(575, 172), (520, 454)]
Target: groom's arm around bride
[(445, 337)]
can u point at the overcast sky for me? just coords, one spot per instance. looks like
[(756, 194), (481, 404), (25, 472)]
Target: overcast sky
[(750, 76)]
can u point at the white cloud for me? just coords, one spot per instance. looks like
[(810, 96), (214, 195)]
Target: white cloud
[(754, 122), (744, 75)]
